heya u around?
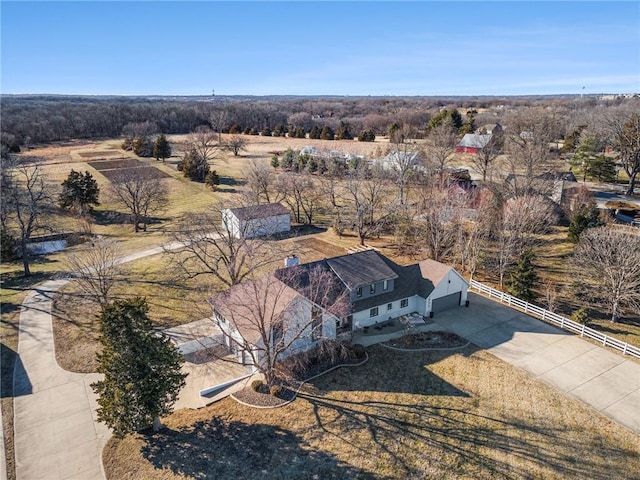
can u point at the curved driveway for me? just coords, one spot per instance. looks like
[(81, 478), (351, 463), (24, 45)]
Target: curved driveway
[(56, 433)]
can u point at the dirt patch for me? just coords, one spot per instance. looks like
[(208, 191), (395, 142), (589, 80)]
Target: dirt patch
[(321, 246), (117, 167), (117, 163), (97, 154)]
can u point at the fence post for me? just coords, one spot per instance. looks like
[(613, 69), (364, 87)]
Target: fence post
[(582, 332), (624, 350), (526, 306), (604, 341), (562, 323), (544, 313)]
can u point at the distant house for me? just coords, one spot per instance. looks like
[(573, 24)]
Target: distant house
[(378, 291), (257, 220), (490, 129), (472, 143)]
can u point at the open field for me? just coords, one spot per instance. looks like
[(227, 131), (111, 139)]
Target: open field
[(463, 415)]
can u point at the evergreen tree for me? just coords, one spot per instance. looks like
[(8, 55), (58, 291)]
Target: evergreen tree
[(142, 376), (327, 133), (343, 132), (367, 136), (601, 168), (79, 191), (469, 125), (162, 148), (194, 167), (288, 157), (587, 216), (394, 132), (315, 133), (301, 133), (523, 278), (275, 162)]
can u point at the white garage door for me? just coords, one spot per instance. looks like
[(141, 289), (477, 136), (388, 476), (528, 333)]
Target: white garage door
[(446, 302)]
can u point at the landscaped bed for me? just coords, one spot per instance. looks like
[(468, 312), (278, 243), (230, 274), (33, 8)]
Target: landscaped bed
[(441, 414), (428, 340)]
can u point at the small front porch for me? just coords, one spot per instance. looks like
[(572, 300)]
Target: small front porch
[(393, 328)]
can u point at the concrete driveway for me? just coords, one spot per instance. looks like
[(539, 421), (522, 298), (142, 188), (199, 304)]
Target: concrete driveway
[(605, 380)]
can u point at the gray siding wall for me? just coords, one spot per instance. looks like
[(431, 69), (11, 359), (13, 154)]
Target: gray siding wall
[(366, 290)]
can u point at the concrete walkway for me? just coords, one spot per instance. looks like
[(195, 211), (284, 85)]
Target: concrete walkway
[(57, 435), (605, 380), (56, 432)]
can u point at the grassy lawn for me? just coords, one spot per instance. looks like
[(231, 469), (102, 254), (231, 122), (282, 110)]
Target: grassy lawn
[(400, 416)]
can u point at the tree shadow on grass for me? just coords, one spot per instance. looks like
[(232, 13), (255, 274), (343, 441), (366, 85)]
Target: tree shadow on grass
[(217, 449), (504, 447)]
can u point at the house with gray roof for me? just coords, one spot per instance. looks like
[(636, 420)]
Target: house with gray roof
[(472, 143), (256, 220), (377, 289)]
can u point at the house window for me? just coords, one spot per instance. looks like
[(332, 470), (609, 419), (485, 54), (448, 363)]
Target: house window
[(404, 303), (373, 312), (373, 288), (316, 322), (389, 306), (359, 292), (385, 285)]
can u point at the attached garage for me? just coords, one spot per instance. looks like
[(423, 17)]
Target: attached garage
[(446, 302), (448, 289)]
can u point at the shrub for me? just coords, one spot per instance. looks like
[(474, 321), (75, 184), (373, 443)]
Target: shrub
[(358, 351), (8, 245), (581, 316), (276, 390), (257, 385)]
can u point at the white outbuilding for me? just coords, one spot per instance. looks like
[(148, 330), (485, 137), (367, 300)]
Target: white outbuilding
[(257, 220)]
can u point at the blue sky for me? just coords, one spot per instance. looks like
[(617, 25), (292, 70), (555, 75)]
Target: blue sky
[(320, 48)]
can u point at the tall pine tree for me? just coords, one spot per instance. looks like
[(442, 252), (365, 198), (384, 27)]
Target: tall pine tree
[(523, 278), (161, 148), (142, 376)]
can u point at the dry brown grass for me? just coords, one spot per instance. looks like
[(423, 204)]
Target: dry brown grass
[(400, 416)]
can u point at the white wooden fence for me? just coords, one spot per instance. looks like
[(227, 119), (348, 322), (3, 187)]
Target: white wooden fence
[(558, 320)]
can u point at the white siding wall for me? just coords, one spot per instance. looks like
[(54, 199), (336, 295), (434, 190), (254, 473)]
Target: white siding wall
[(268, 226), (451, 283), (362, 318)]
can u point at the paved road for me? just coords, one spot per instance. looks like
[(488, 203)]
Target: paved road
[(601, 378)]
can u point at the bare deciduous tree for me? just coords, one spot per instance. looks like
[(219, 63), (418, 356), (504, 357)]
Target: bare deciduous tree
[(527, 141), (141, 192), (441, 143), (203, 143), (261, 183), (236, 144), (218, 120), (204, 244), (485, 157), (25, 197), (626, 138), (519, 221), (365, 199), (301, 194), (267, 319), (96, 268), (607, 264)]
